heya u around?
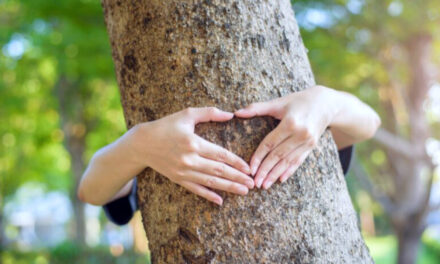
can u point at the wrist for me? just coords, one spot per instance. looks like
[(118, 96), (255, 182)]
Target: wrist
[(332, 101), (137, 142)]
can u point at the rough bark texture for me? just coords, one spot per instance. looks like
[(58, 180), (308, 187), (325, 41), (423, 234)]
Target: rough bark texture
[(170, 55)]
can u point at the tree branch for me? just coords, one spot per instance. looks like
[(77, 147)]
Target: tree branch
[(395, 143)]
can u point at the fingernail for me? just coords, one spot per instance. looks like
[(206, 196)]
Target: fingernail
[(254, 169), (243, 189), (260, 180), (246, 169), (219, 201), (283, 179), (250, 184), (267, 185)]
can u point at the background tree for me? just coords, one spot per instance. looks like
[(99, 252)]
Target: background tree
[(390, 47), (170, 55)]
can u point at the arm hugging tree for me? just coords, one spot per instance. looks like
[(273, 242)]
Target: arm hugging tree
[(170, 55)]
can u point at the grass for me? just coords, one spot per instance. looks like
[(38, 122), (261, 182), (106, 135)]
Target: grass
[(68, 252), (384, 250)]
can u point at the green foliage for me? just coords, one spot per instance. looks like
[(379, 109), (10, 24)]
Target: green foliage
[(69, 252), (384, 250), (66, 251), (431, 249), (61, 40)]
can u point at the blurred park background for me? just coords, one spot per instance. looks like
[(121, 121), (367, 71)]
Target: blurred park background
[(59, 103)]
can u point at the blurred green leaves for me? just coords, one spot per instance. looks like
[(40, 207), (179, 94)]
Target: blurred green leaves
[(42, 42)]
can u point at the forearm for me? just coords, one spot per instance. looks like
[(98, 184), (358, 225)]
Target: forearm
[(352, 120), (111, 170)]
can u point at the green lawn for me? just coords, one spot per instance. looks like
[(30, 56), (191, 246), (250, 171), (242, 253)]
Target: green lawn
[(68, 252), (384, 250)]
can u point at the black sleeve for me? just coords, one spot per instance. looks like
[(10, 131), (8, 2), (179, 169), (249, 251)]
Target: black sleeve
[(345, 158), (121, 210)]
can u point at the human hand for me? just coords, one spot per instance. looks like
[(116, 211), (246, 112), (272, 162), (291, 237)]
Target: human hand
[(170, 146), (304, 117)]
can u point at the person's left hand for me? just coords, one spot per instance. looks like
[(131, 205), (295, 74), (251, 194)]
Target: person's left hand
[(304, 117)]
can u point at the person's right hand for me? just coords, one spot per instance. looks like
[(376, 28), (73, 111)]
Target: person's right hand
[(170, 147)]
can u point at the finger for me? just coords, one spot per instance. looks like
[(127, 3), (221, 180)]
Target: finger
[(202, 191), (295, 164), (272, 140), (220, 169), (277, 169), (294, 158), (206, 114), (270, 108), (275, 173), (215, 152), (289, 172), (277, 154), (214, 182)]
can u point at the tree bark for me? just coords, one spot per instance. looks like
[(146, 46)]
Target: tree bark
[(408, 238), (170, 55)]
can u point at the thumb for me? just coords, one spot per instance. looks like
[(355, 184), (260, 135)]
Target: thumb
[(270, 108), (206, 114)]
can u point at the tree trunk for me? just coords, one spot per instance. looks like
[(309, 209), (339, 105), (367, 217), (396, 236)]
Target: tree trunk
[(76, 148), (170, 55), (75, 142), (409, 242), (409, 221)]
